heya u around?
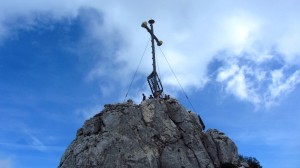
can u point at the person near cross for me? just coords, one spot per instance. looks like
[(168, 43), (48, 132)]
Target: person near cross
[(144, 97)]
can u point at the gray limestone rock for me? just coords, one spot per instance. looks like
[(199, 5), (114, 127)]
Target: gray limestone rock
[(155, 133)]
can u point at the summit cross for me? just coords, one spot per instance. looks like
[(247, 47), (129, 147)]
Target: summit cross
[(153, 79)]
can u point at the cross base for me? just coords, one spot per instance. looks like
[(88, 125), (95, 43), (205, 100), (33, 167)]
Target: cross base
[(155, 84)]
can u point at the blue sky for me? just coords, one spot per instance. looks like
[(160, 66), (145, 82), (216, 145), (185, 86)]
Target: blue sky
[(61, 61)]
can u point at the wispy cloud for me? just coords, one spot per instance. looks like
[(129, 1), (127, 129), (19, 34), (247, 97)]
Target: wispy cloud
[(34, 141), (27, 139), (282, 84), (237, 83), (259, 84)]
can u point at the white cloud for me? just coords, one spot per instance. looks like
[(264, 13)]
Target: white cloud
[(224, 74), (238, 86), (194, 34), (237, 82), (288, 43), (240, 32), (260, 85), (282, 84)]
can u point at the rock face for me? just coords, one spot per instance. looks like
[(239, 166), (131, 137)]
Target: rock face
[(155, 133)]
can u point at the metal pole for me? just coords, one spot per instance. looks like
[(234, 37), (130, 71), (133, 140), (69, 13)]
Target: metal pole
[(153, 58)]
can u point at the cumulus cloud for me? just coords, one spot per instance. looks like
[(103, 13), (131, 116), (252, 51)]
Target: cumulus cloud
[(245, 36)]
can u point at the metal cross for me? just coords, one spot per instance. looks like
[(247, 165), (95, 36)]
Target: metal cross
[(153, 79)]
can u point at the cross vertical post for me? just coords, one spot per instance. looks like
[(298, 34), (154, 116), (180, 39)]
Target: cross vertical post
[(153, 79), (153, 54)]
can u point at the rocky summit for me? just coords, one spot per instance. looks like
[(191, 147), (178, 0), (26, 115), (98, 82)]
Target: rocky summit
[(155, 133)]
